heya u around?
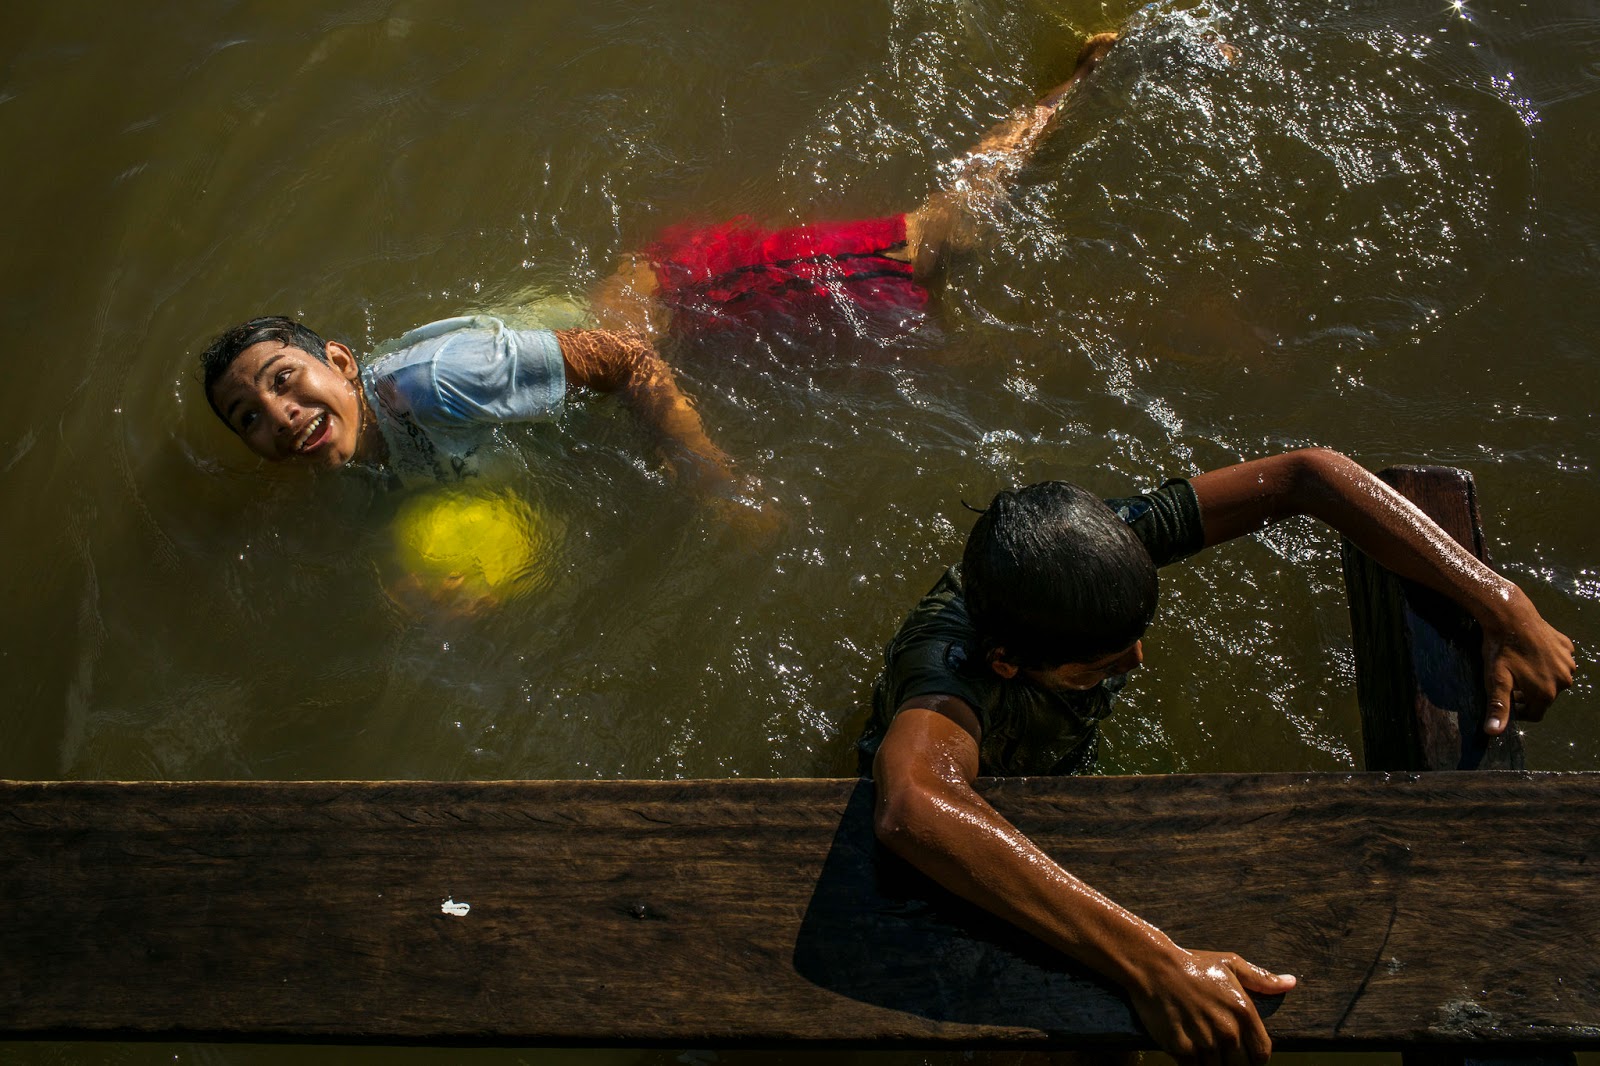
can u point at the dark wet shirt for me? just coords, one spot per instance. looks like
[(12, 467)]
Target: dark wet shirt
[(1026, 729)]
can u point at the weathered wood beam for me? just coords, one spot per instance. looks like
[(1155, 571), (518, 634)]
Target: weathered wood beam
[(1419, 658), (1419, 910), (1419, 677)]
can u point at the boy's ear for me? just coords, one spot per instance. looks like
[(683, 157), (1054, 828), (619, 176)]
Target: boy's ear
[(1002, 666), (343, 360)]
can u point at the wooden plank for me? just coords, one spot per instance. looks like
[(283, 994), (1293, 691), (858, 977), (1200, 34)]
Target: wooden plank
[(1422, 700), (1419, 910), (1419, 657)]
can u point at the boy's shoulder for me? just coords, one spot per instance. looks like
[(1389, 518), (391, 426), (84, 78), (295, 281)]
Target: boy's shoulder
[(1166, 520), (937, 641), (939, 617), (423, 343)]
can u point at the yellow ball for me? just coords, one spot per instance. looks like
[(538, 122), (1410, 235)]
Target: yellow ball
[(474, 543)]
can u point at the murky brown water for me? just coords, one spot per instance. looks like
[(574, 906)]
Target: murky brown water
[(1377, 232)]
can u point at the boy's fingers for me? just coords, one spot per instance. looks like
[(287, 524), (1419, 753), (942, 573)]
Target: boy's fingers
[(1254, 1039), (1255, 979), (1497, 682), (1257, 1044), (1530, 704)]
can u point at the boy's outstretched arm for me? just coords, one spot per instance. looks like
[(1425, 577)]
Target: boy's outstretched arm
[(627, 364), (1526, 662), (1193, 1003)]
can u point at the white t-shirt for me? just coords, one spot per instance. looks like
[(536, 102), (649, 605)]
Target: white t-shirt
[(439, 394)]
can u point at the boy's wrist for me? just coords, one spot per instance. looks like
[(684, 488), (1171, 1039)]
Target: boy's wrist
[(1504, 607), (1148, 964)]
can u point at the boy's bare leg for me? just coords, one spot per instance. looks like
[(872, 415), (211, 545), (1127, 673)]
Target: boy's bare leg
[(947, 221)]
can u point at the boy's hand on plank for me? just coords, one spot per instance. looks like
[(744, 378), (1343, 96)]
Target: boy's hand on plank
[(1199, 1011)]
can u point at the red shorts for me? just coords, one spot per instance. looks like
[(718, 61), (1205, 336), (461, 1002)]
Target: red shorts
[(806, 286)]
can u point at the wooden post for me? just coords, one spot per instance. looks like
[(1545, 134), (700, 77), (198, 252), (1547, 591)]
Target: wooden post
[(1419, 657), (1419, 677)]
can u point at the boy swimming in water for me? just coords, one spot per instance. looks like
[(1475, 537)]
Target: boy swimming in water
[(421, 411), (1007, 665)]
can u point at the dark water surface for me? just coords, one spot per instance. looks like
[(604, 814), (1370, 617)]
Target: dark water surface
[(1377, 231)]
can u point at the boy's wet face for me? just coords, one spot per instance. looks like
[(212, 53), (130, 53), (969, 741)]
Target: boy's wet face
[(1072, 677), (289, 406), (1077, 677)]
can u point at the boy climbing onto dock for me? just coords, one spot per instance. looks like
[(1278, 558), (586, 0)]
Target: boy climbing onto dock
[(423, 410), (1007, 665)]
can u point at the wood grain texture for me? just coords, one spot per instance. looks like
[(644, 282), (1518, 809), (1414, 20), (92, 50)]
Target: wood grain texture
[(1419, 658), (1419, 666), (1419, 910)]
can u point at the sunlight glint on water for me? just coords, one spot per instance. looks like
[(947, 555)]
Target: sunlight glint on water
[(1374, 230)]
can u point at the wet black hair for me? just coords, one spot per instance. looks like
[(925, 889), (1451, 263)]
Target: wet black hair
[(219, 356), (1053, 576)]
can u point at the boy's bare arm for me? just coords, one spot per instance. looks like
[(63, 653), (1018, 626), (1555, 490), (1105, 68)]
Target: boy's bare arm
[(625, 363), (1193, 1003), (1527, 663)]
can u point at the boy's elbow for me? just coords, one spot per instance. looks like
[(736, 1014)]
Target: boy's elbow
[(1316, 470), (907, 816), (923, 774), (891, 817), (608, 360), (1321, 462)]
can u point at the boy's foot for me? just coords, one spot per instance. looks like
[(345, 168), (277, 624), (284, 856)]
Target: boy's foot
[(1229, 52), (1094, 49)]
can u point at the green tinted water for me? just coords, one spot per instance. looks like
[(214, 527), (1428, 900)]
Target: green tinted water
[(1376, 232)]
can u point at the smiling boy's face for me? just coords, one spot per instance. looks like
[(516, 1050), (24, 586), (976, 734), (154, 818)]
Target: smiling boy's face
[(289, 406)]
